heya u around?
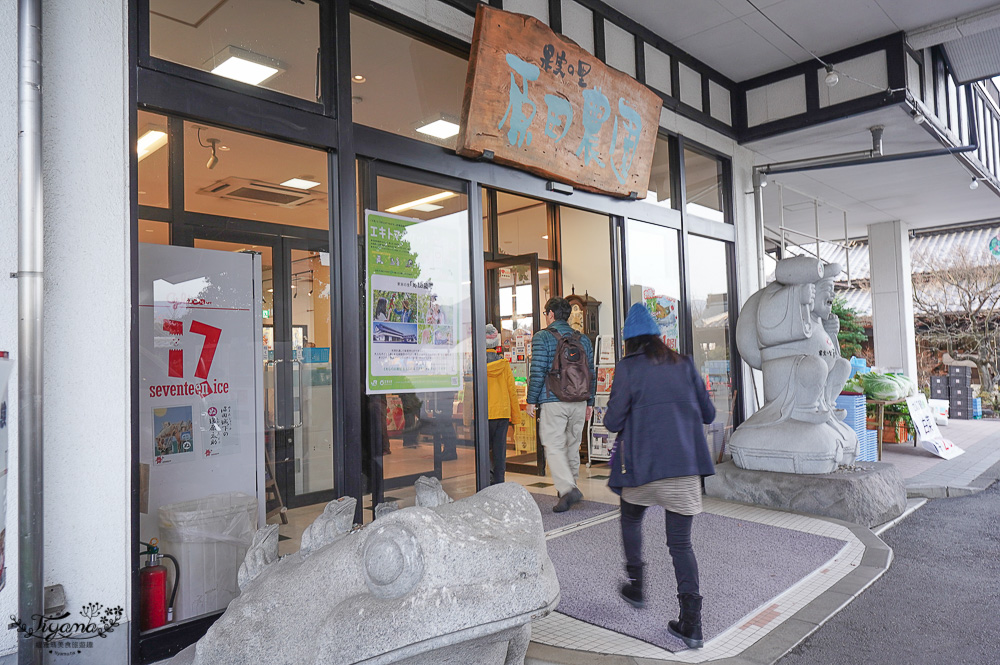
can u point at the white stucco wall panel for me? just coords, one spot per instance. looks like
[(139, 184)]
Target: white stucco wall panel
[(437, 15), (690, 86), (657, 69), (8, 290), (777, 100), (619, 48), (720, 100), (537, 8), (859, 77), (578, 24)]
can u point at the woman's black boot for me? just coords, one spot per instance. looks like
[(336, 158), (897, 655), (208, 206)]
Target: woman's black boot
[(632, 590), (688, 626)]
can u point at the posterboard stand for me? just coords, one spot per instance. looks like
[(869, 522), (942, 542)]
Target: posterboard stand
[(600, 441), (928, 435)]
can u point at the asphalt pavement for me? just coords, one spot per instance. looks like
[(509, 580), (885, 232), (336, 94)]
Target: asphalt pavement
[(938, 603)]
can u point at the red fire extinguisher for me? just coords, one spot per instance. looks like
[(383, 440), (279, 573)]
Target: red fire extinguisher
[(154, 609)]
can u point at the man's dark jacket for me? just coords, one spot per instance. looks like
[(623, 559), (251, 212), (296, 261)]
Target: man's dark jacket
[(543, 352)]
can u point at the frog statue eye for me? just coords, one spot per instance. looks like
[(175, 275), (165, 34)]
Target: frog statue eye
[(393, 562)]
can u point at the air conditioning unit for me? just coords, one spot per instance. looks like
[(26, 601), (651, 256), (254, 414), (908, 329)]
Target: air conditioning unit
[(266, 193)]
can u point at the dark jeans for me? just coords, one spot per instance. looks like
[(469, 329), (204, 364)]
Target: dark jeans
[(678, 542), (498, 449)]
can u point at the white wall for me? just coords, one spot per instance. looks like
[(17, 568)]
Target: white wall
[(8, 288), (586, 260), (86, 339)]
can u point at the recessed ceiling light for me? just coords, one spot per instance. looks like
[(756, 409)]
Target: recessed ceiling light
[(427, 207), (433, 198), (152, 140), (242, 65), (358, 78), (440, 129), (300, 183), (545, 237)]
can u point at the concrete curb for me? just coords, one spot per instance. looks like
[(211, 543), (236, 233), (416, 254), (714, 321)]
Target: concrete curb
[(785, 637), (981, 482)]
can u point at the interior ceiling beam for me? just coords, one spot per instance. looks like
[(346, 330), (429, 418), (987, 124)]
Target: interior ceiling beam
[(955, 28)]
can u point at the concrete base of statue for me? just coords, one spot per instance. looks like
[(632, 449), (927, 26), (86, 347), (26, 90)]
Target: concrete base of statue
[(793, 447), (868, 494)]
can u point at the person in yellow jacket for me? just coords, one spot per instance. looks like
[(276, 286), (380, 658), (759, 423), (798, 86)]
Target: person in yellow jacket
[(503, 405)]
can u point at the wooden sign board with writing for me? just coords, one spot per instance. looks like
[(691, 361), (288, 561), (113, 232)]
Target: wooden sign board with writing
[(539, 102)]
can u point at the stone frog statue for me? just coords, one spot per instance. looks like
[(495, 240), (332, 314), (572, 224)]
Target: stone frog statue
[(789, 332), (443, 582)]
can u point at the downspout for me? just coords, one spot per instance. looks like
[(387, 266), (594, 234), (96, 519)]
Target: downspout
[(30, 578)]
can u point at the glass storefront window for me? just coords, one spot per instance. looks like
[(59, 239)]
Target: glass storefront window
[(405, 86), (259, 42), (426, 320), (659, 174), (235, 174), (157, 233), (709, 302), (154, 160), (523, 226), (654, 276), (703, 186)]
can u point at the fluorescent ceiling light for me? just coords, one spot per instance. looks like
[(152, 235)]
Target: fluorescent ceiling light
[(242, 65), (300, 183), (427, 207), (439, 129), (433, 198), (150, 142)]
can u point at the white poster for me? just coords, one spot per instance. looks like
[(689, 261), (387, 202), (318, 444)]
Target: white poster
[(928, 434), (200, 366), (414, 293), (5, 369)]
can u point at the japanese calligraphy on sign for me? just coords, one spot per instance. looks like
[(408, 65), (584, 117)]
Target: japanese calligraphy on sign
[(540, 102)]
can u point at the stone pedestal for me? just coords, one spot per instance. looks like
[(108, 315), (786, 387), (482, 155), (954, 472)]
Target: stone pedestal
[(870, 494)]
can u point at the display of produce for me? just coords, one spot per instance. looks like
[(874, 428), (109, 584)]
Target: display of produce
[(887, 387)]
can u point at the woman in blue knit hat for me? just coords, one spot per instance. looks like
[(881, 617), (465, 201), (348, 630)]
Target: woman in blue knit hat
[(658, 406)]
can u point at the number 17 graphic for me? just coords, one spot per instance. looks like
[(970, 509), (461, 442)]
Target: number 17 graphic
[(175, 365)]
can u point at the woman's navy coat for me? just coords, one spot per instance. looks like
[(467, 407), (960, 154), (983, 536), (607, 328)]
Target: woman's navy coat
[(659, 411)]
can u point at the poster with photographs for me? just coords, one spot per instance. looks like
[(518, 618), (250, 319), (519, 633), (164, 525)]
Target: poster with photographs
[(412, 308), (664, 311), (173, 434)]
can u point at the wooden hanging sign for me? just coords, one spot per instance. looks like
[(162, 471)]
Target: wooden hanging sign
[(539, 102)]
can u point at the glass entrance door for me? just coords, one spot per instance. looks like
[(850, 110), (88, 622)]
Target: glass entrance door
[(418, 324), (297, 373), (514, 307)]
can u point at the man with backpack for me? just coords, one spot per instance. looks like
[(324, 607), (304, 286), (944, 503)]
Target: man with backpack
[(562, 384)]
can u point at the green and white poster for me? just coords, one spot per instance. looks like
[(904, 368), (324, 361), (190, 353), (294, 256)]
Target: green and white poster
[(413, 287)]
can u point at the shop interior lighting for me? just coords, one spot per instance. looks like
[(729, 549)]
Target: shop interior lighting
[(245, 66), (358, 78), (440, 128), (832, 78), (418, 203), (300, 183), (152, 140)]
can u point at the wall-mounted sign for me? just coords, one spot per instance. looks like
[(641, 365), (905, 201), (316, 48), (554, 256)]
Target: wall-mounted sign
[(539, 102)]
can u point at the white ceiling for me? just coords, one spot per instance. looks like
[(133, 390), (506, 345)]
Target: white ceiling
[(927, 192), (739, 38)]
